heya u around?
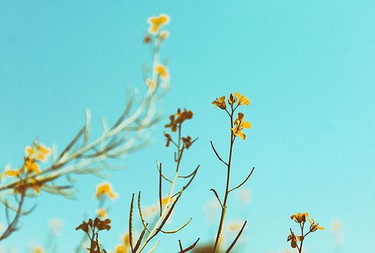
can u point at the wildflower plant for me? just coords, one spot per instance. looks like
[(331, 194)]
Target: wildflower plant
[(44, 168), (237, 125), (84, 154), (296, 241), (166, 203)]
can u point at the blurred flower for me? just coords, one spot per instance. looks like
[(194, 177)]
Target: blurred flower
[(126, 238), (163, 35), (336, 229), (23, 185), (220, 102), (211, 210), (244, 195), (234, 226), (102, 213), (299, 217), (336, 226), (14, 173), (147, 39), (157, 22), (56, 225), (105, 188), (37, 152), (31, 165), (151, 84), (162, 71), (240, 124), (121, 249), (38, 249)]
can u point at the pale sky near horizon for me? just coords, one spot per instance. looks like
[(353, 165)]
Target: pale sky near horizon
[(307, 67)]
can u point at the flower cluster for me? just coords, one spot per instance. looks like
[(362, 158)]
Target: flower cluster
[(92, 228), (33, 155), (175, 122), (301, 218), (97, 224), (156, 36), (234, 100)]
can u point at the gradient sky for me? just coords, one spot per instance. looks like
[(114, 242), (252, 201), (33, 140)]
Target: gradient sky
[(307, 67)]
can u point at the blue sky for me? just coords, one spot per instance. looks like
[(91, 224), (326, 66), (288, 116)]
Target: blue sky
[(306, 66)]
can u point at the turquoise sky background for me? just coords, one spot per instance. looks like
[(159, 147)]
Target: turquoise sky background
[(307, 67)]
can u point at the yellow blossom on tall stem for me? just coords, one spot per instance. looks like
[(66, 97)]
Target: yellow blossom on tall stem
[(220, 102), (242, 100), (299, 217), (240, 125), (105, 189)]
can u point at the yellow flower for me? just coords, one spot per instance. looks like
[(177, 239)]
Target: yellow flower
[(242, 100), (163, 35), (314, 226), (38, 249), (105, 188), (220, 102), (157, 22), (31, 166), (37, 152), (121, 249), (126, 239), (162, 71), (240, 124), (299, 217), (14, 173), (151, 84), (238, 98), (102, 213)]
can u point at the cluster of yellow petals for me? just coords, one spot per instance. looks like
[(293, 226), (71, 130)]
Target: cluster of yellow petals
[(232, 99), (37, 152), (34, 154), (105, 189), (240, 124), (157, 22), (162, 71), (299, 217)]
